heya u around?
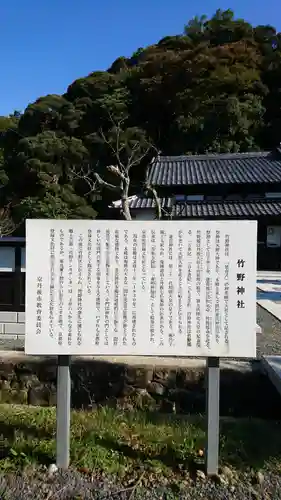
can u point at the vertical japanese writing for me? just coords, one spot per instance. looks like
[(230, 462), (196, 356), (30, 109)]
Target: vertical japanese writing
[(152, 286), (217, 285), (226, 289), (171, 336), (80, 289), (116, 286), (226, 245), (98, 286), (180, 282), (89, 264), (240, 287), (189, 290), (107, 286), (52, 282), (70, 286), (117, 246), (198, 286), (142, 288), (143, 260), (134, 291), (39, 301), (61, 287), (162, 290), (208, 319), (125, 289)]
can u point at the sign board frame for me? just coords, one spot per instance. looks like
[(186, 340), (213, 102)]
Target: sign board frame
[(239, 234), (153, 288)]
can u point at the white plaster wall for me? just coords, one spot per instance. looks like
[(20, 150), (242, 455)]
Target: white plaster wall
[(144, 214)]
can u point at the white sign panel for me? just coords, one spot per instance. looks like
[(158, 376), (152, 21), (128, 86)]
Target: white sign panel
[(159, 288)]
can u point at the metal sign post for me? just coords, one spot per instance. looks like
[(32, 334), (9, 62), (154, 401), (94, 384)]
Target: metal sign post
[(63, 412), (212, 415)]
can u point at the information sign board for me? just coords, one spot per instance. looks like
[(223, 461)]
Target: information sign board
[(154, 288)]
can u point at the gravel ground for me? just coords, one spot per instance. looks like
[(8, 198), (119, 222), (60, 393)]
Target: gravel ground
[(75, 486), (269, 341)]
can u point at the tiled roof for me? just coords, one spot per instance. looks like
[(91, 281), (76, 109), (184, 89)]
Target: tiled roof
[(227, 209), (239, 168), (255, 208), (137, 202)]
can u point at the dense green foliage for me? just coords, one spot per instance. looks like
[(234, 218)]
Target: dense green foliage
[(216, 87)]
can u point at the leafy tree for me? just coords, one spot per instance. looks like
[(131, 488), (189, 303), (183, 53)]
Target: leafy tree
[(42, 179), (195, 29), (215, 87)]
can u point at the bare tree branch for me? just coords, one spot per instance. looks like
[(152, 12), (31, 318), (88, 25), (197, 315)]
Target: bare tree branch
[(140, 158), (128, 147), (116, 171), (114, 150), (105, 184), (86, 175)]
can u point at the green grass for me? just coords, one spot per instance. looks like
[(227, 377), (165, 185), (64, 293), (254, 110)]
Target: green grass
[(121, 443)]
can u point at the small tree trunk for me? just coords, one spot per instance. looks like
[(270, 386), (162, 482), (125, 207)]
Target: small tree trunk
[(125, 202), (157, 203), (156, 200)]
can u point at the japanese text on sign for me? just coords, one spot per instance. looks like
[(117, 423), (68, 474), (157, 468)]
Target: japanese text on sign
[(142, 288)]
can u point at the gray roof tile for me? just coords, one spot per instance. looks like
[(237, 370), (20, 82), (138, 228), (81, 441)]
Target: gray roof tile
[(239, 168), (227, 209), (137, 202)]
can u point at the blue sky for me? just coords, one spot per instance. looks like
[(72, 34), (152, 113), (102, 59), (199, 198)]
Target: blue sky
[(46, 44)]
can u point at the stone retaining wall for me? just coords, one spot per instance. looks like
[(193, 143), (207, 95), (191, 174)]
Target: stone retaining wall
[(158, 388), (12, 325)]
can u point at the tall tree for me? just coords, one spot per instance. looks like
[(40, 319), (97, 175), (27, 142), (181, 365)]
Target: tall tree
[(119, 147)]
